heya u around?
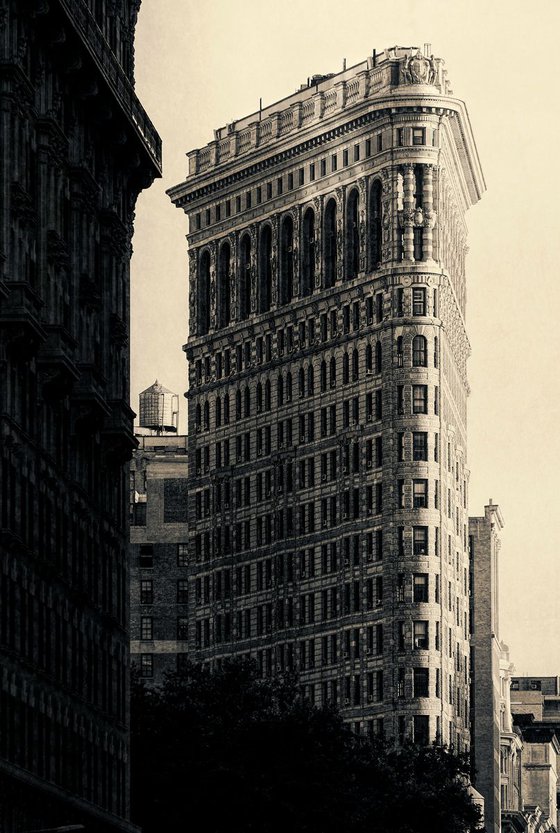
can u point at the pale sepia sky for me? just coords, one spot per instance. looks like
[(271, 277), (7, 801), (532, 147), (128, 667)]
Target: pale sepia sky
[(203, 63)]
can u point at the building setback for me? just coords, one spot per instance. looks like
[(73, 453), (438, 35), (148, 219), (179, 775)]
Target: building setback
[(76, 149), (327, 393), (159, 556)]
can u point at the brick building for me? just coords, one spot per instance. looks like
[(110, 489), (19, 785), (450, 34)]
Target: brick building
[(327, 517), (487, 676), (158, 555), (77, 148)]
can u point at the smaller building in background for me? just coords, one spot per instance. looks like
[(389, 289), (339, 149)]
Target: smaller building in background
[(158, 534), (486, 652)]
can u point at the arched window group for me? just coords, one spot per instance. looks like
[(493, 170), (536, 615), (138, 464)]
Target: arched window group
[(262, 259)]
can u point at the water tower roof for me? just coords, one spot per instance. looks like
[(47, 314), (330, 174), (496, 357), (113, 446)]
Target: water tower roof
[(156, 388)]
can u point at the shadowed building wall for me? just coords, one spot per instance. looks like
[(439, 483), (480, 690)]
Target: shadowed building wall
[(76, 150)]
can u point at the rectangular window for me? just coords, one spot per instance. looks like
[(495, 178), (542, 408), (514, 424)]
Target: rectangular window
[(279, 186), (419, 445), (312, 172), (420, 540), (419, 301), (421, 682), (182, 555), (419, 399), (334, 162), (420, 494), (269, 190), (228, 208), (146, 665), (146, 592), (420, 587), (182, 591), (400, 136), (146, 628), (418, 136), (182, 628), (420, 635), (368, 148), (323, 167), (290, 182), (345, 157), (259, 194), (301, 176), (248, 199), (356, 153)]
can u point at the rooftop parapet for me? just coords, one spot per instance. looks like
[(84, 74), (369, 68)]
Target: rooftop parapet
[(320, 98)]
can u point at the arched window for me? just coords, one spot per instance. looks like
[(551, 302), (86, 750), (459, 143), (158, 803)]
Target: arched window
[(310, 381), (400, 351), (323, 376), (267, 396), (308, 253), (265, 269), (352, 236), (247, 402), (206, 416), (245, 277), (203, 295), (238, 404), (198, 417), (288, 387), (355, 365), (378, 357), (369, 359), (329, 238), (226, 409), (218, 412), (419, 352), (259, 397), (301, 381), (223, 298), (345, 369), (375, 225), (333, 373), (280, 389), (285, 289)]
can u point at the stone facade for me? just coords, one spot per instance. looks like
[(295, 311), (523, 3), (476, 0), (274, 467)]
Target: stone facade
[(158, 557), (327, 394), (76, 149), (486, 651)]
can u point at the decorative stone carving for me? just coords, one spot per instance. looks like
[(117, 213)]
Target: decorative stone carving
[(295, 246), (274, 272), (213, 257), (233, 276), (193, 280), (318, 208), (362, 225), (417, 69), (339, 194), (253, 234)]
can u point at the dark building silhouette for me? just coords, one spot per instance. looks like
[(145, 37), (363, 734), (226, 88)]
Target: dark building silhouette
[(76, 150)]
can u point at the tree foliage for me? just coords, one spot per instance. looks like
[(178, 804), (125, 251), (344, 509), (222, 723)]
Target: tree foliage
[(227, 751)]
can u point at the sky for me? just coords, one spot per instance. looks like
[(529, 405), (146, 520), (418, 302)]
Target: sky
[(203, 63)]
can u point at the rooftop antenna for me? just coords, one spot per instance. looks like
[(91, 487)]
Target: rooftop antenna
[(260, 108), (374, 56), (343, 64)]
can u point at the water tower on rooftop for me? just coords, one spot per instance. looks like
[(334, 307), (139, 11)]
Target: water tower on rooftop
[(159, 409)]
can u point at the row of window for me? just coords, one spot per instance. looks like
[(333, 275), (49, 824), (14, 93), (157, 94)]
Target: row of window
[(343, 256), (289, 339)]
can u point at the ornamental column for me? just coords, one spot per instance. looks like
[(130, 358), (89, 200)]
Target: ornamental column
[(408, 212), (429, 213)]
